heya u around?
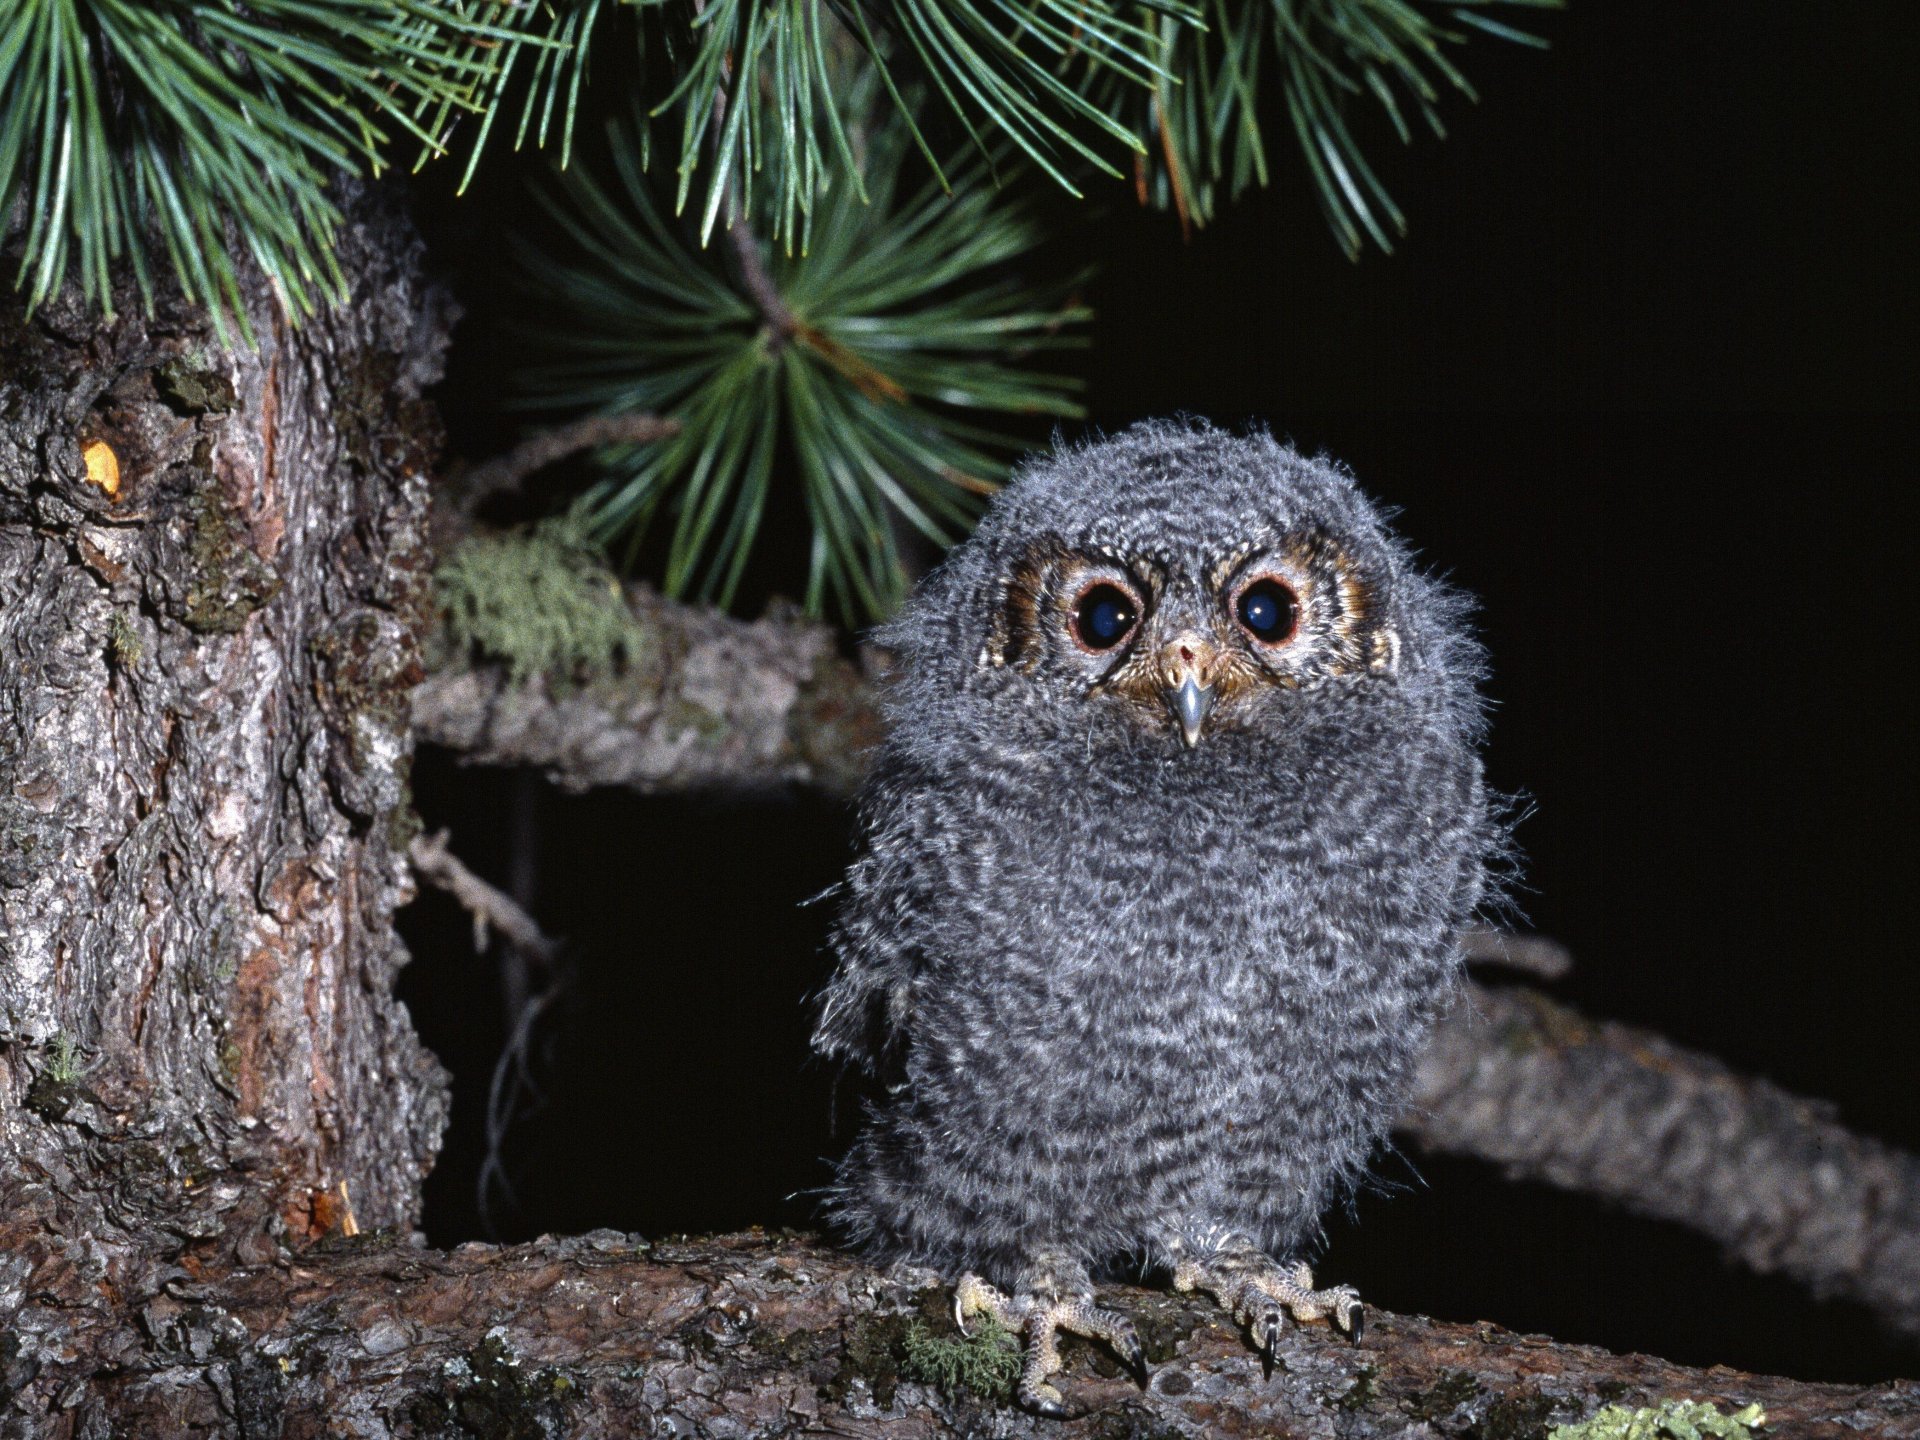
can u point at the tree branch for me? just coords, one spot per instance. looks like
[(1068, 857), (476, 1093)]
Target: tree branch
[(602, 1334), (467, 491), (707, 702), (489, 905), (1608, 1110)]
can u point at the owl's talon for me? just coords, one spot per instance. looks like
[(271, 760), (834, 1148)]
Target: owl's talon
[(1258, 1293), (1044, 1401), (960, 1316), (1266, 1336), (1133, 1355), (1268, 1350)]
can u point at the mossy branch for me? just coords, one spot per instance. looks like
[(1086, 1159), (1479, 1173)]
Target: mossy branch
[(546, 661)]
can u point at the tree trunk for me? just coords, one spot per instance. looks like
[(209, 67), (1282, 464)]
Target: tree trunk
[(213, 583)]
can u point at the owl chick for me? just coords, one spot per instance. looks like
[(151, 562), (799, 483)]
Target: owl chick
[(1166, 860)]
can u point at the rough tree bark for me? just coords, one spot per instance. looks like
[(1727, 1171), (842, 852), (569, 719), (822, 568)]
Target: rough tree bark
[(213, 582), (712, 703), (608, 1335)]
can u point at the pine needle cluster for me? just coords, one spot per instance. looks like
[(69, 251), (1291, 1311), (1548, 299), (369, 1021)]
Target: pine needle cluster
[(825, 283), (1327, 57), (874, 362), (1078, 88)]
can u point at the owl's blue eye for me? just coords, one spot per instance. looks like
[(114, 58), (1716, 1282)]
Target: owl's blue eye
[(1268, 610), (1105, 617)]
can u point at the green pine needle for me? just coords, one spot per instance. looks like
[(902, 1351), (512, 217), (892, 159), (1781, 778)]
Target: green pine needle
[(898, 336)]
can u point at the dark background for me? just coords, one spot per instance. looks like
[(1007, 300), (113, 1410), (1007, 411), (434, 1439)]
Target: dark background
[(1641, 378)]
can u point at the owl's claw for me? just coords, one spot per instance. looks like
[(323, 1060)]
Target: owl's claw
[(1266, 1339), (1134, 1356), (1267, 1333), (1259, 1292), (1045, 1401), (1039, 1323)]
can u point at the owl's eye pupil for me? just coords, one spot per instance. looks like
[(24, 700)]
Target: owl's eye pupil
[(1105, 617), (1268, 609)]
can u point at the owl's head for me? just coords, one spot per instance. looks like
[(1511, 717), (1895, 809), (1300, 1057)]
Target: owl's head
[(1176, 584)]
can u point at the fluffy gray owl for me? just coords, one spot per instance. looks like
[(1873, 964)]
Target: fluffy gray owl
[(1166, 860)]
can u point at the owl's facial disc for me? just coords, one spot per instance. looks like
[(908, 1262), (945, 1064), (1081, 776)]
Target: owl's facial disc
[(1188, 646)]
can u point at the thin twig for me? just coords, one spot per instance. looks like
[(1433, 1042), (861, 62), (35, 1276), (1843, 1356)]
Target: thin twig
[(523, 867), (489, 906), (512, 1088), (510, 471), (512, 1093), (758, 280)]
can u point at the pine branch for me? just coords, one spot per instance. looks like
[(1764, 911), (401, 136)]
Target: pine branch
[(866, 359), (197, 131), (211, 130)]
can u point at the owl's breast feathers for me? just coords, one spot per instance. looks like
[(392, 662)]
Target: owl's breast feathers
[(1059, 891)]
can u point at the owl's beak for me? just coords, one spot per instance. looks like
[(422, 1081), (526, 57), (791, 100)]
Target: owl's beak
[(1190, 704), (1187, 661)]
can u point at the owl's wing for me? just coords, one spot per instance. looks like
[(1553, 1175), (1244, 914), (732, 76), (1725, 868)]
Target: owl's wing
[(878, 939)]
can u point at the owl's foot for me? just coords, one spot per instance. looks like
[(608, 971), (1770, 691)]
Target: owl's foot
[(1258, 1292), (1038, 1320)]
